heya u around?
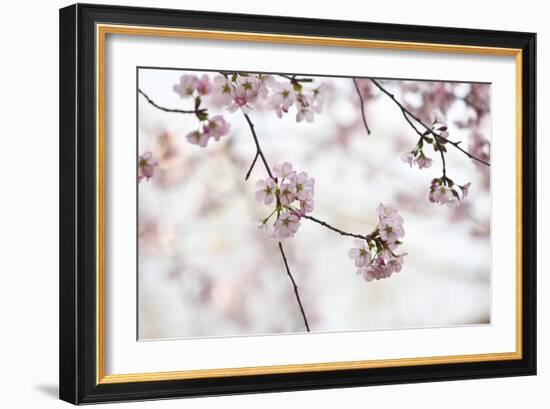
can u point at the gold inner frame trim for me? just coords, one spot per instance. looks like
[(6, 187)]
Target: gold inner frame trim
[(101, 33)]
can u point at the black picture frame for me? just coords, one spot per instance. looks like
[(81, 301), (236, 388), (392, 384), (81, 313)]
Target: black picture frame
[(78, 149)]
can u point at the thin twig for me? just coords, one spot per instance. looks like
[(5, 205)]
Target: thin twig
[(443, 164), (260, 153), (362, 102), (252, 166), (174, 110), (335, 229), (258, 148), (295, 286), (407, 113)]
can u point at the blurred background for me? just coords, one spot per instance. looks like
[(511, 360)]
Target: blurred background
[(204, 269)]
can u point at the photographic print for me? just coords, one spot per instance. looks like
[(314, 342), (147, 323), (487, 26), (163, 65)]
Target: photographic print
[(273, 203), (265, 203)]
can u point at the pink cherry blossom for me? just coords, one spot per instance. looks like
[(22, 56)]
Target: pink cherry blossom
[(287, 194), (439, 125), (306, 205), (263, 85), (241, 99), (375, 256), (292, 195), (319, 95), (222, 92), (265, 229), (376, 271), (391, 228), (265, 190), (440, 194), (249, 85), (146, 166), (197, 138), (382, 268), (282, 98), (283, 170), (445, 191), (386, 211), (305, 109), (360, 253), (417, 158), (409, 158), (396, 263), (187, 85), (217, 127), (286, 225), (423, 162), (302, 185), (204, 87)]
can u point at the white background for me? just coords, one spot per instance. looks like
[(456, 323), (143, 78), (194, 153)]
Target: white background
[(29, 216)]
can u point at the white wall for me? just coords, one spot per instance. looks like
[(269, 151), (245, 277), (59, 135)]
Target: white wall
[(29, 201)]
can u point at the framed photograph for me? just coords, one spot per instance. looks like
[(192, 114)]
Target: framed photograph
[(257, 203)]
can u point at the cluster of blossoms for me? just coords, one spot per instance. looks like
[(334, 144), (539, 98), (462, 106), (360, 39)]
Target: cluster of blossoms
[(191, 86), (417, 156), (375, 257), (146, 166), (292, 195), (247, 91), (444, 191)]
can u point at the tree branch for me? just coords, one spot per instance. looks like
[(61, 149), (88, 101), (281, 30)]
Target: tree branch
[(258, 149), (406, 113), (251, 166), (294, 286), (362, 102), (173, 110), (259, 153), (335, 229)]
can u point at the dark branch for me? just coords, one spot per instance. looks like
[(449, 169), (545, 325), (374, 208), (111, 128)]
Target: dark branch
[(260, 153), (362, 102), (178, 111), (337, 230), (294, 286), (258, 148), (251, 166), (406, 113), (443, 164)]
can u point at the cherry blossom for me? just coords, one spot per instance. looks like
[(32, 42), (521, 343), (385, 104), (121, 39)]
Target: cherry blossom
[(216, 127), (375, 256), (305, 108), (360, 253), (444, 191), (203, 86), (286, 225), (292, 195), (286, 194), (284, 170), (187, 85), (146, 166), (282, 98), (197, 138), (242, 98), (222, 92), (302, 185), (266, 190), (391, 228), (417, 158)]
